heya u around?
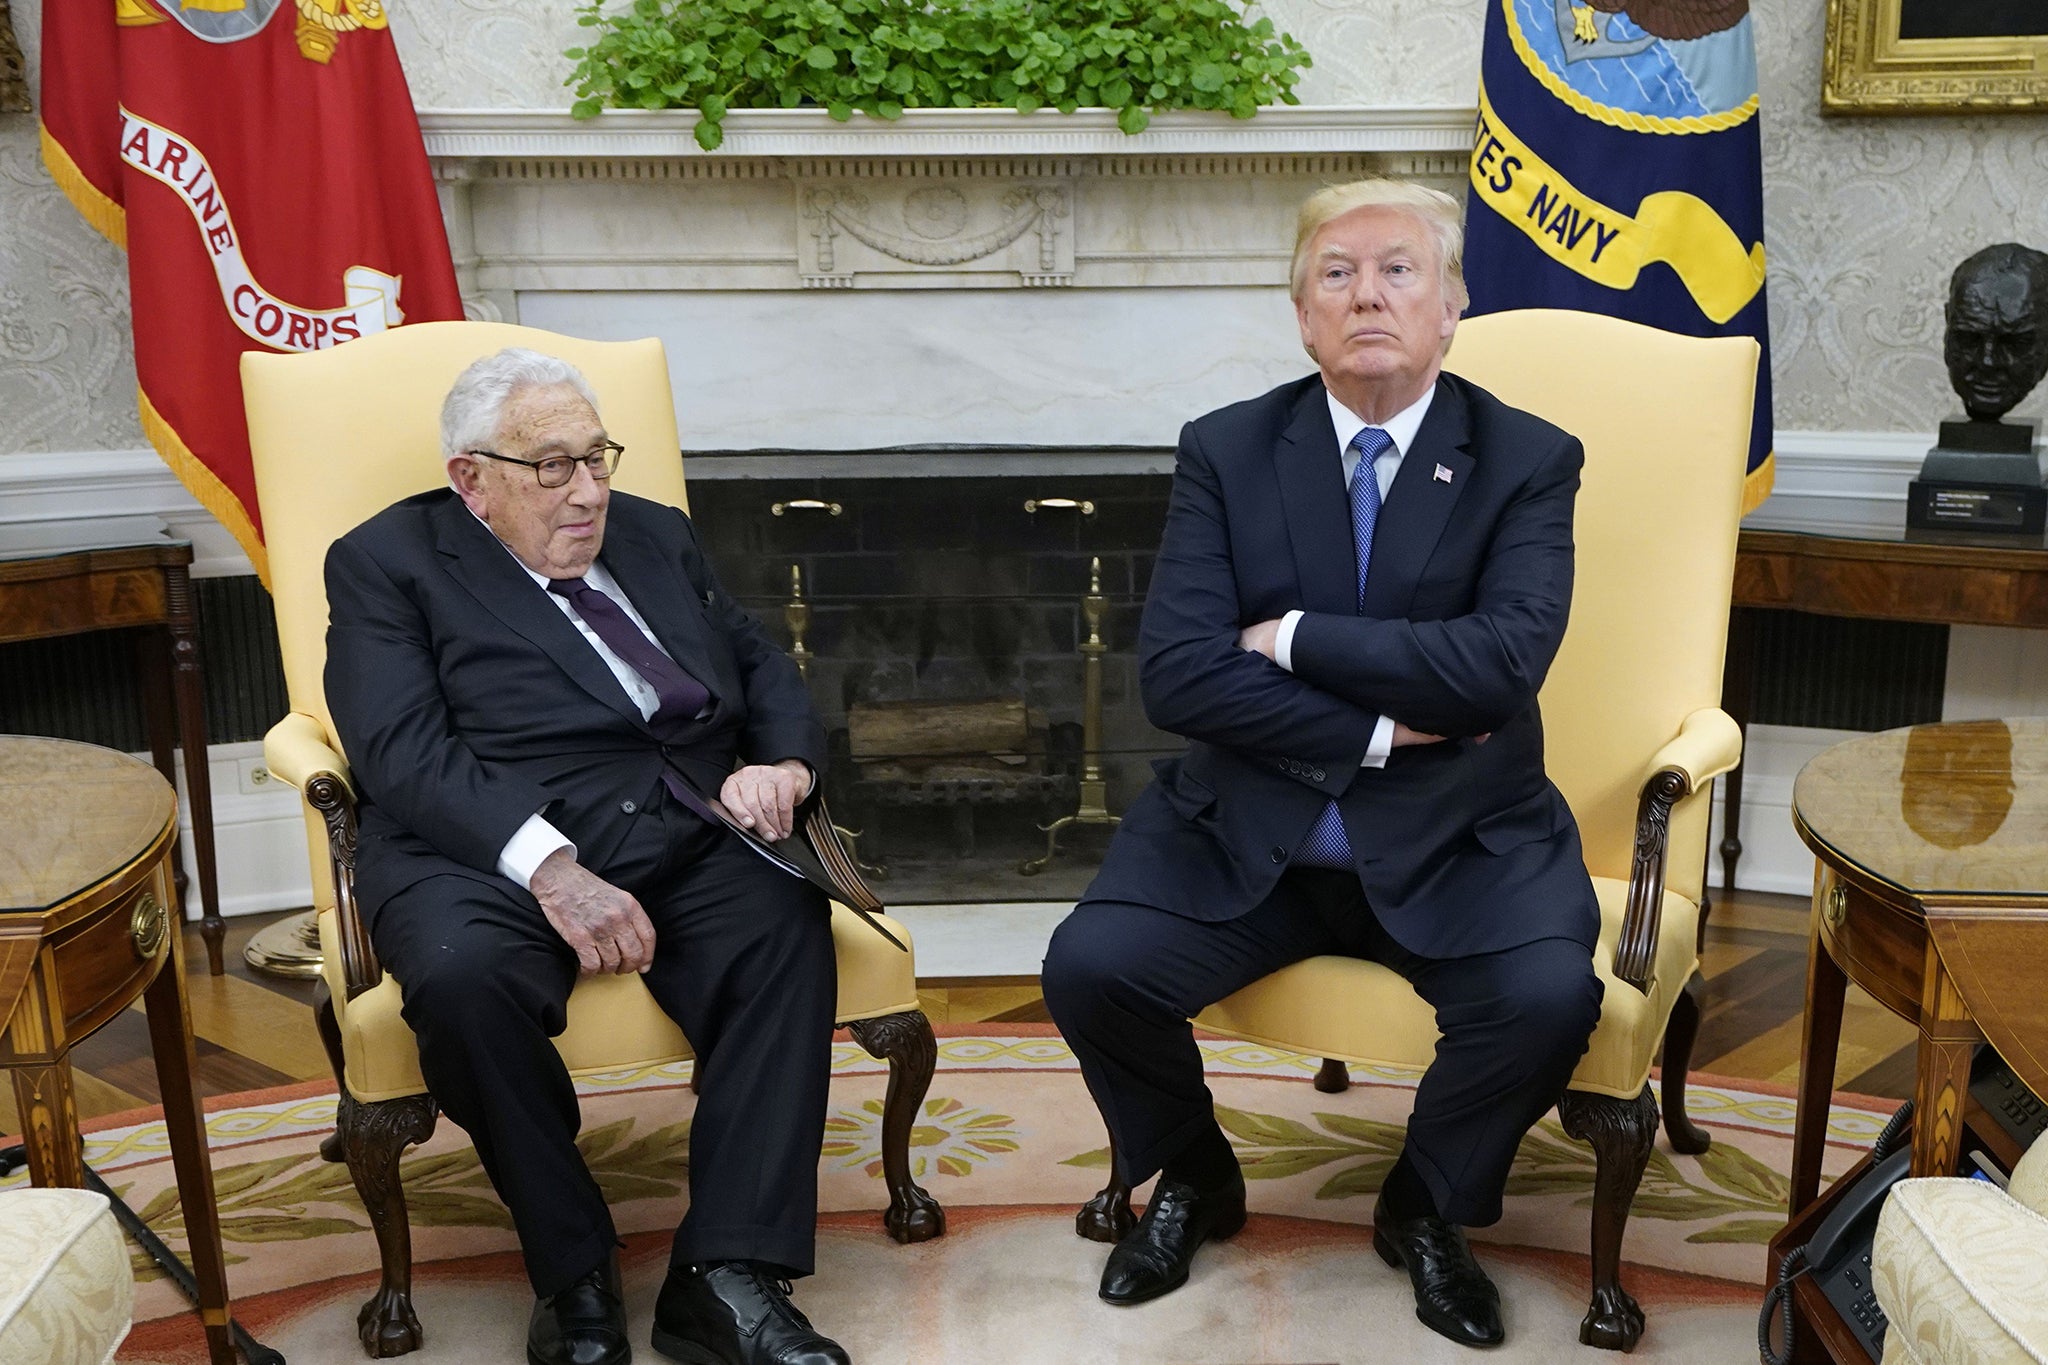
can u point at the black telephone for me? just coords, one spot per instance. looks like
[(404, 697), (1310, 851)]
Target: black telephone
[(1838, 1257)]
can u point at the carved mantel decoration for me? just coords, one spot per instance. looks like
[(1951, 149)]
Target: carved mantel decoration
[(1013, 229)]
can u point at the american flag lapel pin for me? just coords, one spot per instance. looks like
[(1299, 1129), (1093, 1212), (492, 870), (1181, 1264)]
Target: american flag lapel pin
[(1442, 475)]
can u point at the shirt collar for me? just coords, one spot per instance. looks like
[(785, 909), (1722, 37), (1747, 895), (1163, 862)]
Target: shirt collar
[(1402, 426)]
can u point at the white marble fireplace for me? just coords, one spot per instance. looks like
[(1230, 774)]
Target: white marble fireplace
[(962, 277)]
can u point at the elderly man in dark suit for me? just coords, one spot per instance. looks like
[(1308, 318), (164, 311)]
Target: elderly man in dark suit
[(534, 678), (1364, 577)]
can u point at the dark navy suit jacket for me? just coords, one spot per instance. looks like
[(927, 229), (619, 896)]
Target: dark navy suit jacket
[(467, 701), (1462, 847)]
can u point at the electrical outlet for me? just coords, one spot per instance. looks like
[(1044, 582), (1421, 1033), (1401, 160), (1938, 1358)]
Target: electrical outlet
[(253, 778)]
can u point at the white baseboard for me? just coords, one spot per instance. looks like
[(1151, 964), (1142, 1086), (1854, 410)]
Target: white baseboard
[(259, 837)]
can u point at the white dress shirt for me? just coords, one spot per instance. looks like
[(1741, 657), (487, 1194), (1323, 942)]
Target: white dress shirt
[(1401, 429), (535, 840)]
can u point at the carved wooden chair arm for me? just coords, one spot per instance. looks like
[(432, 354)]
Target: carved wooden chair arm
[(1708, 744), (297, 751)]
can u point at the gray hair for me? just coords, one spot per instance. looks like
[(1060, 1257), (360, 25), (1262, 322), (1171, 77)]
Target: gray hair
[(475, 405), (1437, 211)]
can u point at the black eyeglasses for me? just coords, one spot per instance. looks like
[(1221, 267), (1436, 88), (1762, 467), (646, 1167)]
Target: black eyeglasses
[(557, 470)]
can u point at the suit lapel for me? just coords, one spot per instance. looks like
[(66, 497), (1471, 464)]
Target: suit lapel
[(660, 592), (1318, 511), (1419, 505), (487, 569)]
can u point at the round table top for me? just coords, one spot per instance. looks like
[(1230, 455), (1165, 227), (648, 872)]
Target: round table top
[(71, 815), (1959, 808)]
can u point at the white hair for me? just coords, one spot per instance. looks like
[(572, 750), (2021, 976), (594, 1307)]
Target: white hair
[(475, 405)]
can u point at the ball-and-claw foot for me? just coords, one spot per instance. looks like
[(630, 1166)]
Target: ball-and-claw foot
[(387, 1325), (915, 1218), (1686, 1138), (1614, 1322), (1105, 1219)]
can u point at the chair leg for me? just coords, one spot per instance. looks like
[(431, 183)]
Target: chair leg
[(905, 1041), (332, 1147), (375, 1136), (1334, 1078), (1621, 1133), (1683, 1027), (1107, 1217)]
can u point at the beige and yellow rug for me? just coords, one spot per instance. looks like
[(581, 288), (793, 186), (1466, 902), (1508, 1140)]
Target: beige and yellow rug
[(1010, 1143)]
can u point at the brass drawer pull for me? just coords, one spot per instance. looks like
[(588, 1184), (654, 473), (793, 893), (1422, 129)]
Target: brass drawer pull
[(831, 509), (146, 928), (1086, 507), (1836, 908)]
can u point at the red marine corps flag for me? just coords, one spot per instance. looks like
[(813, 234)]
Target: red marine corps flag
[(261, 161)]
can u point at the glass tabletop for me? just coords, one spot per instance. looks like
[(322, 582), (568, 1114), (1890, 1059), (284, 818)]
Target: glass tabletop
[(1959, 808), (70, 815)]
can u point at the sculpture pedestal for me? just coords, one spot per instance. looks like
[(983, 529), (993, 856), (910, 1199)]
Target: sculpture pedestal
[(1982, 477)]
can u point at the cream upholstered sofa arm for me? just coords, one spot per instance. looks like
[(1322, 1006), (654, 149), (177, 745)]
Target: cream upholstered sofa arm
[(1708, 744), (1957, 1270), (296, 751), (2030, 1180)]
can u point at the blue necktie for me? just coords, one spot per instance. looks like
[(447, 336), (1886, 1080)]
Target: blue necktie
[(1327, 845)]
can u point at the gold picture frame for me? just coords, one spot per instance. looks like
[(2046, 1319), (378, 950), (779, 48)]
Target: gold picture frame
[(1869, 67)]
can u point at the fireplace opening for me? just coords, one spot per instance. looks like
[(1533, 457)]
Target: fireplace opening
[(967, 622)]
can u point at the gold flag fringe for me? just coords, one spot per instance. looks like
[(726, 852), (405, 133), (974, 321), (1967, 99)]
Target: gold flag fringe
[(1756, 485), (203, 484), (108, 217)]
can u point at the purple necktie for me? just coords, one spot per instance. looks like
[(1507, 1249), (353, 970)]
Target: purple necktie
[(681, 696), (1327, 845)]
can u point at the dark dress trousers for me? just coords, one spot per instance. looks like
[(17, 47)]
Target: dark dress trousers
[(1469, 878), (466, 702)]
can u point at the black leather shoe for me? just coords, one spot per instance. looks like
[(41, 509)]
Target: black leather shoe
[(585, 1324), (731, 1313), (1452, 1294), (1154, 1258)]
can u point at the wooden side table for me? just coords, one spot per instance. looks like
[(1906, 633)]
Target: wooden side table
[(87, 924), (139, 579), (1931, 893), (1887, 575)]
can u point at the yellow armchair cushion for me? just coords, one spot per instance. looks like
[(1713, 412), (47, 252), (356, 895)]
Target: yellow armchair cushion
[(1358, 1011), (614, 1023)]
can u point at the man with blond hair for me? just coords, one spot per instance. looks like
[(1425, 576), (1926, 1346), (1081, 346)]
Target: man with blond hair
[(1364, 577)]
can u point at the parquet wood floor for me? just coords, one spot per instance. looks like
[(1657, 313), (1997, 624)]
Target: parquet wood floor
[(255, 1030)]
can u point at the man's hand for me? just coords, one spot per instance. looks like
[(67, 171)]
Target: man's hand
[(1263, 638), (1403, 737), (605, 926), (764, 797)]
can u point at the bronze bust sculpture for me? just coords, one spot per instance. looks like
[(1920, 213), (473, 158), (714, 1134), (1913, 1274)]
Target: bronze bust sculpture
[(1984, 476), (1996, 345)]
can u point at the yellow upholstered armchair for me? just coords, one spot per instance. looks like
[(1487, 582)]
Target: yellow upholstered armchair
[(339, 435), (1634, 736)]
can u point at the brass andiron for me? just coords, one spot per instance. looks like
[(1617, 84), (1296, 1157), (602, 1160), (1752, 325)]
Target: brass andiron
[(1094, 804), (796, 614)]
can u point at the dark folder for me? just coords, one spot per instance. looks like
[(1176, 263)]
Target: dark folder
[(814, 853)]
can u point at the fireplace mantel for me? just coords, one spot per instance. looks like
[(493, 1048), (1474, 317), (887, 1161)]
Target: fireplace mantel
[(958, 276), (454, 134)]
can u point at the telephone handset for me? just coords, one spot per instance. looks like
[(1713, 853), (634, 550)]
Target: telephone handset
[(1838, 1256)]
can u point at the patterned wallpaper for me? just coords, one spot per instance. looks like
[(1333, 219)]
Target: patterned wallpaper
[(1866, 216)]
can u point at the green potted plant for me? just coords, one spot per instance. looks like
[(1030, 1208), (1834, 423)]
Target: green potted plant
[(880, 57)]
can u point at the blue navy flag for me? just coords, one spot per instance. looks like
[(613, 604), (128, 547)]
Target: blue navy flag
[(1616, 168)]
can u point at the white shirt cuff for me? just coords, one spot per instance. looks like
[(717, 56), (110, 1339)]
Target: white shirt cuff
[(526, 850), (1382, 744), (1283, 642)]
